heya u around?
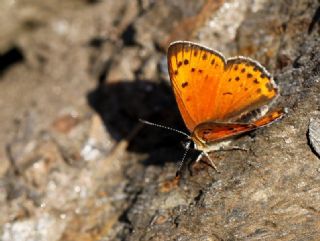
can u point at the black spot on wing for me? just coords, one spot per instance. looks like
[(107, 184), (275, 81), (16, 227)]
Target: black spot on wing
[(207, 131), (184, 84), (269, 86), (263, 75)]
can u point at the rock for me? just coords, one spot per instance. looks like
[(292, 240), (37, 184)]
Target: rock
[(102, 175)]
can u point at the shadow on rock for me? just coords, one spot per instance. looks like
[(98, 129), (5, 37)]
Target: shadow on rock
[(122, 104)]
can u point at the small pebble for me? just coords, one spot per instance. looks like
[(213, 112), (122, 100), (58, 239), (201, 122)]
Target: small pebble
[(314, 135)]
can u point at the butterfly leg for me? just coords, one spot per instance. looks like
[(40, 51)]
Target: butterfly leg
[(211, 161), (207, 155), (231, 148)]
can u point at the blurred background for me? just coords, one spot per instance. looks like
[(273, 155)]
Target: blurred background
[(76, 164)]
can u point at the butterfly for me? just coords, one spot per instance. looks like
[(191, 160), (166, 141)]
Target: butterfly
[(219, 98)]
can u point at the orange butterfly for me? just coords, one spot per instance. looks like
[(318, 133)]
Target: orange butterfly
[(219, 98)]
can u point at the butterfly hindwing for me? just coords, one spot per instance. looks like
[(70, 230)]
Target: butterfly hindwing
[(216, 131)]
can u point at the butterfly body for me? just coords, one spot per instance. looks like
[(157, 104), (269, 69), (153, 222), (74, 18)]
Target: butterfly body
[(219, 98)]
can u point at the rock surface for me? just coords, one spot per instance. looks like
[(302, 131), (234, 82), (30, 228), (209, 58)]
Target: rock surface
[(76, 164)]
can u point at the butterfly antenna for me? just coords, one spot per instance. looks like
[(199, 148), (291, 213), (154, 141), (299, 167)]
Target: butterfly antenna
[(187, 146), (164, 127)]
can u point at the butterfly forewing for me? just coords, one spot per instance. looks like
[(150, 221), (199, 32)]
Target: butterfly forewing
[(219, 98), (245, 86), (195, 73)]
